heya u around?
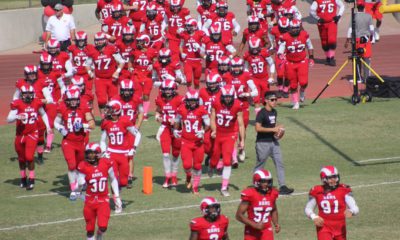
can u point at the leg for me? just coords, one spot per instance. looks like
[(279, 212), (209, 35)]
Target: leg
[(51, 111), (19, 148), (89, 213), (147, 86), (101, 94), (227, 148), (165, 141), (103, 215), (30, 147), (263, 151), (70, 157), (112, 89), (302, 75), (188, 71), (187, 156), (197, 73), (176, 148), (278, 162)]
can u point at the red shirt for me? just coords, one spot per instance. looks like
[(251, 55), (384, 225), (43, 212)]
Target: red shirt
[(260, 33), (59, 61), (114, 26), (31, 112), (326, 9), (96, 177), (240, 84), (37, 87), (71, 117), (192, 121), (105, 8), (137, 15), (117, 133), (226, 118), (331, 204), (260, 205), (153, 27), (277, 35), (215, 51), (104, 62), (207, 98), (168, 108), (258, 7), (176, 21), (161, 8), (79, 57), (225, 24), (125, 50), (142, 59), (49, 81), (210, 230), (130, 108), (295, 46), (205, 13), (189, 41), (258, 64)]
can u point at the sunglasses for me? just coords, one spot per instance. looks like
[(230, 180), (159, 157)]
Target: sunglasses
[(273, 99)]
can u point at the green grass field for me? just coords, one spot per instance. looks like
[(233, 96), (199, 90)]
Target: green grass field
[(330, 132)]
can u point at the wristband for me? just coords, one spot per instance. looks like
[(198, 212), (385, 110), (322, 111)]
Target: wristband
[(313, 216), (85, 126), (119, 70)]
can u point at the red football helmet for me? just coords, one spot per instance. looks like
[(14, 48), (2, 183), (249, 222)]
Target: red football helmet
[(253, 23), (164, 56), (126, 89), (192, 99), (295, 27), (326, 174), (215, 32), (113, 109), (81, 39), (100, 40), (116, 11), (210, 208), (262, 176), (142, 41), (237, 66), (128, 34), (283, 24), (31, 73), (289, 13), (79, 82), (255, 45), (223, 64), (46, 62), (168, 89), (175, 6), (53, 47), (92, 152), (213, 82), (206, 3), (27, 93), (228, 95), (72, 97), (222, 8), (151, 10), (191, 25)]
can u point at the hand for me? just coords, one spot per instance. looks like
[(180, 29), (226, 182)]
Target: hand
[(200, 134), (260, 16), (234, 33), (318, 221), (213, 134), (336, 18), (208, 58), (277, 228), (244, 94), (320, 21), (115, 76), (177, 133), (118, 204), (259, 226), (348, 213), (271, 80), (158, 118), (311, 62), (78, 126), (130, 69), (180, 30), (132, 152), (183, 55)]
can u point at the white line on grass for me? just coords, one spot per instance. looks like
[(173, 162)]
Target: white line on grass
[(378, 159), (166, 209)]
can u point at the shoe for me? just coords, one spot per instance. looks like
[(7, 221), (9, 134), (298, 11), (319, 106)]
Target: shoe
[(242, 156), (296, 106), (235, 165), (302, 96), (284, 190), (129, 185), (30, 184), (225, 193), (22, 184), (174, 182), (285, 94), (377, 37), (47, 149), (332, 62), (210, 172), (73, 196), (118, 210), (166, 183), (145, 118)]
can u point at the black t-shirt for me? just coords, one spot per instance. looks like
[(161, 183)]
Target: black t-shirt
[(267, 119)]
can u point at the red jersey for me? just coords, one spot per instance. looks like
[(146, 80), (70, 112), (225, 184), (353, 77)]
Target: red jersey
[(176, 21), (225, 24), (215, 51), (130, 108), (79, 57), (260, 33), (71, 117), (331, 204), (240, 84), (207, 98), (49, 81), (192, 121), (31, 114), (259, 7), (114, 27), (281, 8), (326, 9), (105, 8), (153, 27), (226, 117), (104, 62), (210, 230), (59, 61), (117, 133), (96, 177), (168, 108), (205, 13), (140, 13), (161, 8), (295, 46), (258, 63), (190, 42), (260, 205), (87, 99), (125, 50), (277, 35), (143, 59), (37, 86), (163, 71)]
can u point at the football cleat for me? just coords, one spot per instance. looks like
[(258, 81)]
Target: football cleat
[(302, 96), (73, 196), (207, 161), (242, 156), (166, 183), (235, 165), (30, 184), (47, 149), (296, 106), (22, 184), (118, 209), (225, 193)]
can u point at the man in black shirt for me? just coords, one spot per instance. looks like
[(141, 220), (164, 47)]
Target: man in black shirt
[(266, 143)]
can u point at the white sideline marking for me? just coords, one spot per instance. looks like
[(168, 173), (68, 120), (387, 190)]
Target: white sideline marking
[(377, 159), (167, 209)]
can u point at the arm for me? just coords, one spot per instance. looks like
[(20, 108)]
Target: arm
[(242, 130), (47, 95), (241, 217), (310, 49), (261, 129), (213, 124), (275, 220), (103, 138), (134, 131), (12, 116), (206, 25), (242, 44), (340, 6), (313, 10), (140, 116), (59, 126), (253, 88), (351, 205), (45, 119), (309, 211), (69, 68), (16, 94), (90, 121), (88, 65), (236, 26), (271, 65), (206, 121), (193, 235), (282, 47)]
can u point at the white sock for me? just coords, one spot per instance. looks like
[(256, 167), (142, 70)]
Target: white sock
[(226, 172), (72, 176), (175, 164), (167, 164)]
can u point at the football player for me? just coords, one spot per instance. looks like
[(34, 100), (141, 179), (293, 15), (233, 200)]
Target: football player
[(254, 30), (25, 111), (103, 9), (95, 172), (372, 7), (119, 129), (73, 121), (191, 122), (205, 9), (167, 68), (60, 59), (114, 24), (257, 209), (167, 104), (108, 64), (154, 25), (125, 46), (212, 225), (335, 203), (294, 44), (226, 121), (137, 12), (328, 14)]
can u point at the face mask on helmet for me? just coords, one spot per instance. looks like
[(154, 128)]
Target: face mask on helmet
[(283, 30), (236, 70), (264, 185), (31, 77), (192, 103), (189, 28), (100, 43), (72, 103), (254, 26), (160, 2), (116, 14), (227, 100), (222, 11), (175, 8), (167, 92), (254, 51), (294, 31), (289, 16), (331, 182), (164, 60), (212, 211), (223, 68), (216, 37), (151, 14), (206, 3), (46, 67), (140, 44), (127, 38), (212, 87), (109, 113), (276, 2), (80, 43), (126, 93), (27, 97), (53, 51), (91, 156)]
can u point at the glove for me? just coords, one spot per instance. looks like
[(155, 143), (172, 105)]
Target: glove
[(260, 16), (63, 131), (132, 152), (200, 134), (321, 20), (183, 55), (180, 30), (311, 62), (78, 126), (150, 68), (177, 133), (336, 18), (271, 80)]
